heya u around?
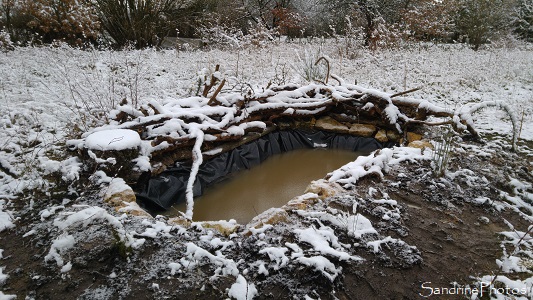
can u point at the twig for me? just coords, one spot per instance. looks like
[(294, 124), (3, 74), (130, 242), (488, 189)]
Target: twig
[(405, 92), (339, 80), (156, 112), (517, 245), (521, 122), (211, 84), (428, 123), (213, 100), (327, 64)]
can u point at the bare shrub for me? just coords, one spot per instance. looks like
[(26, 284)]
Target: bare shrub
[(141, 23), (5, 42), (72, 21)]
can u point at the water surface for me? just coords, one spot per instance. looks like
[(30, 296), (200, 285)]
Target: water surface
[(271, 184)]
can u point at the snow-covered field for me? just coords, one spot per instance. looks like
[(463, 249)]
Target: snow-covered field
[(50, 95)]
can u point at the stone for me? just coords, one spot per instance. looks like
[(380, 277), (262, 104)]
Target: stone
[(324, 189), (112, 151), (393, 136), (330, 124), (118, 192), (299, 123), (121, 197), (270, 216), (381, 136), (423, 144), (224, 227), (316, 191), (113, 140), (364, 130), (132, 208), (180, 221), (411, 137), (301, 202)]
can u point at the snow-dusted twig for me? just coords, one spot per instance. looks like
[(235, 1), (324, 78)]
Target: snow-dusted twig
[(516, 249), (466, 113), (197, 161), (323, 58)]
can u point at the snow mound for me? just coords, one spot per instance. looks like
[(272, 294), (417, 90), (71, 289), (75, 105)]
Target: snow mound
[(375, 164), (241, 290), (113, 139)]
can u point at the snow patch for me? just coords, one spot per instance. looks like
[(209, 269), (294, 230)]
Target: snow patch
[(321, 264), (321, 239), (113, 139), (6, 217), (277, 255), (59, 247), (241, 290)]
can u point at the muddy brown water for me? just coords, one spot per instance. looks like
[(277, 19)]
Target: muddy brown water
[(271, 184)]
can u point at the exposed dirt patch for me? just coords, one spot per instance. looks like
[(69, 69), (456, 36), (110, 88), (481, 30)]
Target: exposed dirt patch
[(456, 239)]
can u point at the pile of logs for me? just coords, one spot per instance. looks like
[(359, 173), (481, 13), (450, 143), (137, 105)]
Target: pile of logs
[(228, 120)]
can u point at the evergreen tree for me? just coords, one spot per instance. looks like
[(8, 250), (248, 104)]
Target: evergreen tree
[(523, 20)]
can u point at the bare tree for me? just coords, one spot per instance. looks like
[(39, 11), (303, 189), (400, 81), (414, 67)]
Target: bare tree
[(7, 7)]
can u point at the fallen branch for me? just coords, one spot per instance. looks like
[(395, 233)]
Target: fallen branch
[(213, 100), (197, 160), (327, 64), (173, 127), (212, 82), (466, 115), (405, 92)]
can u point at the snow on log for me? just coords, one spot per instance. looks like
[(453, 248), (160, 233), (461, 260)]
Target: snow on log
[(168, 127), (113, 139), (189, 129)]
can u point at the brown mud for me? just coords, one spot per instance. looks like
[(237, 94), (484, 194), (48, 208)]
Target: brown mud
[(454, 242)]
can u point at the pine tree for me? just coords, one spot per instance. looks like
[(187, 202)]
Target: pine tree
[(480, 20), (523, 20)]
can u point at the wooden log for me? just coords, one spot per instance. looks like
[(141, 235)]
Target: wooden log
[(344, 104)]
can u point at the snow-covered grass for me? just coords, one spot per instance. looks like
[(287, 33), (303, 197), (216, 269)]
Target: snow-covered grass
[(49, 95)]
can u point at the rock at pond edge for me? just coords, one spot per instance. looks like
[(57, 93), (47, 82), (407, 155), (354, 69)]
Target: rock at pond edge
[(363, 130), (381, 136), (330, 124), (120, 196)]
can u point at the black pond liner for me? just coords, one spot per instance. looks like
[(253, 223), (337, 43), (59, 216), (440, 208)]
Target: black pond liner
[(168, 188)]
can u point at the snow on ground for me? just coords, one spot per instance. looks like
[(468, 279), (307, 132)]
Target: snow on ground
[(49, 95)]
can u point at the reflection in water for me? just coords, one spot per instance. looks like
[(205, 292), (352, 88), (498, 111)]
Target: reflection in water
[(271, 184)]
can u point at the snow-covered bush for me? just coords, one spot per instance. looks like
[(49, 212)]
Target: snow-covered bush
[(220, 36), (351, 42), (430, 20), (384, 35), (141, 23), (523, 20), (103, 84), (5, 41), (259, 35), (479, 21)]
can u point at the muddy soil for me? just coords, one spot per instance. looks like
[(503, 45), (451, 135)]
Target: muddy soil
[(456, 240)]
